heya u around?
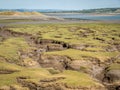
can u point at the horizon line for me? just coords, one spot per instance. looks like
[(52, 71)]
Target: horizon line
[(60, 9)]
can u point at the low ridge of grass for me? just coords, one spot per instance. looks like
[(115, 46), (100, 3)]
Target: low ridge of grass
[(10, 48), (74, 33), (34, 74), (79, 55), (7, 66), (74, 78), (114, 66), (19, 13)]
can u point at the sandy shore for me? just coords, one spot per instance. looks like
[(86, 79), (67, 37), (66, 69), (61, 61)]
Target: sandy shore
[(40, 20)]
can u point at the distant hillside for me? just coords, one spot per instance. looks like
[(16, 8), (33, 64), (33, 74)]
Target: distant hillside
[(101, 10), (19, 13), (26, 15)]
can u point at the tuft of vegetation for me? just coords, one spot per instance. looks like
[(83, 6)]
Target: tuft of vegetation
[(33, 74), (10, 48), (114, 66), (77, 79), (80, 55)]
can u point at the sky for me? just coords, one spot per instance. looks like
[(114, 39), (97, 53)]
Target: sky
[(58, 4)]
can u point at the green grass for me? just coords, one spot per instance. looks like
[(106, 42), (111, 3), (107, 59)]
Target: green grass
[(19, 13), (79, 55), (8, 66), (73, 33), (74, 78), (95, 49), (35, 74), (114, 66), (10, 48), (69, 33), (14, 20)]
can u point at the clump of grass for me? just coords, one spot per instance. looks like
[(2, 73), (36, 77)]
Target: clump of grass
[(10, 48), (78, 55), (7, 66), (114, 66), (53, 71), (76, 79), (35, 74), (72, 78)]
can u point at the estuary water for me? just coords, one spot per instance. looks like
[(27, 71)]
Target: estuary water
[(84, 16)]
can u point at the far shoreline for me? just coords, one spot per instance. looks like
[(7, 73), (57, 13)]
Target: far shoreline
[(93, 14), (59, 22)]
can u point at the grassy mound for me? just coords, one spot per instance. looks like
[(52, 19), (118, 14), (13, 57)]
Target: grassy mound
[(72, 78), (9, 49), (114, 66), (75, 78), (11, 79), (79, 55), (20, 13)]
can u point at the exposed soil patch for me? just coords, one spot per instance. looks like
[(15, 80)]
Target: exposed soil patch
[(55, 61)]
